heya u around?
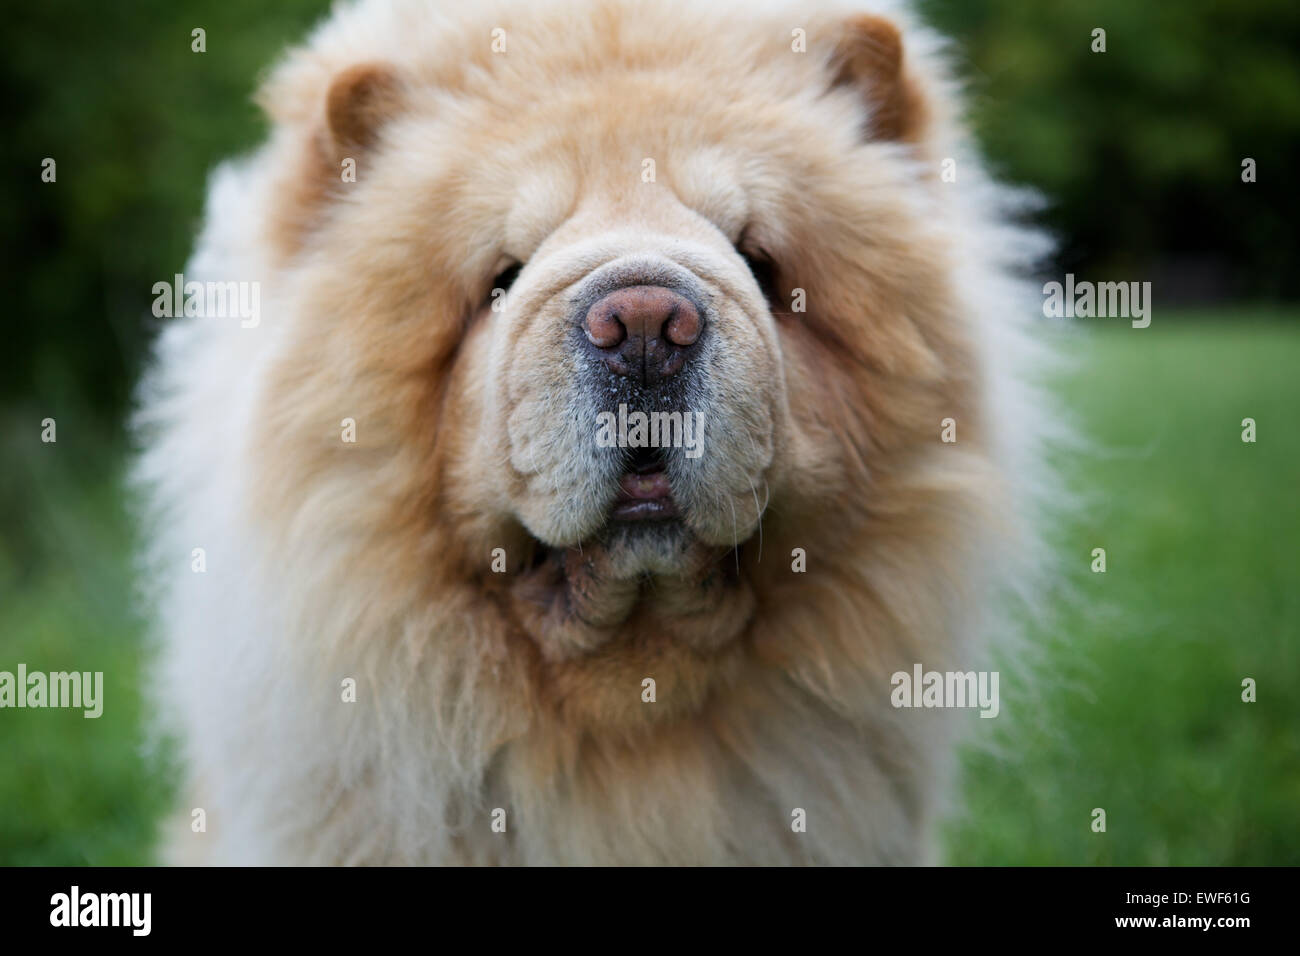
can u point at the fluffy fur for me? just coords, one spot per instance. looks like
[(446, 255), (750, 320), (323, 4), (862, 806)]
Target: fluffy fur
[(478, 690)]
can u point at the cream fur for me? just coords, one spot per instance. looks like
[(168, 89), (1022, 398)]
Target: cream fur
[(328, 561)]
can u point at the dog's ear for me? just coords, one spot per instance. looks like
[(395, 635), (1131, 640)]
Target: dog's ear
[(360, 100), (327, 117), (869, 58), (343, 106)]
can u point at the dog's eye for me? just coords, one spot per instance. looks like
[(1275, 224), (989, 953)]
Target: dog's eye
[(506, 277), (763, 271)]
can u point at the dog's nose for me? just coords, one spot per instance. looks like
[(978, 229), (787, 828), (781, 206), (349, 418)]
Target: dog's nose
[(643, 331)]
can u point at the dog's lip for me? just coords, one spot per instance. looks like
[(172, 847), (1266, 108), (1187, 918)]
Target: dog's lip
[(644, 494), (647, 484)]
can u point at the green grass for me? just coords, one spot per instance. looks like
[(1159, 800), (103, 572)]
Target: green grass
[(1135, 706), (73, 790)]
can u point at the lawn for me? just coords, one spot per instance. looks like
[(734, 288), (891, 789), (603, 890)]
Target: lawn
[(1135, 706), (72, 790), (1135, 701)]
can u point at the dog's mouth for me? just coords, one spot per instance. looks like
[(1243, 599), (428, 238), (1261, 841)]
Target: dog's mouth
[(643, 576), (644, 496), (644, 493)]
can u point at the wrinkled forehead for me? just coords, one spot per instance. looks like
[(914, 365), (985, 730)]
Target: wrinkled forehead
[(702, 199), (686, 150), (608, 117), (632, 163)]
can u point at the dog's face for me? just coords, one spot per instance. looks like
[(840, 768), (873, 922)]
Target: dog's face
[(597, 325), (636, 305)]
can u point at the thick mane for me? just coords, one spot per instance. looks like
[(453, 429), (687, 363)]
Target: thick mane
[(329, 563)]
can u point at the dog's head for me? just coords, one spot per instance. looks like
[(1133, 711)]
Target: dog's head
[(607, 304)]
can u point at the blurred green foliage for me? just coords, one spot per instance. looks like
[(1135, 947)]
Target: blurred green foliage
[(1137, 150), (135, 121)]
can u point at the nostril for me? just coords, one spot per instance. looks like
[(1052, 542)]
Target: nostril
[(683, 326), (603, 329)]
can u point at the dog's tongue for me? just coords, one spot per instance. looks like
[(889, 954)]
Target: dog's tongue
[(645, 487)]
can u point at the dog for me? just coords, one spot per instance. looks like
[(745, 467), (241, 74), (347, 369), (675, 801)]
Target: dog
[(637, 387)]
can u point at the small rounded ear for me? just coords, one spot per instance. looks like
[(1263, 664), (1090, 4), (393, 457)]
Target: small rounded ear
[(869, 58), (360, 100)]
